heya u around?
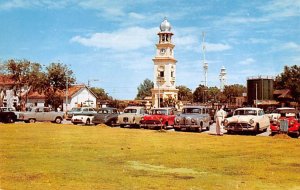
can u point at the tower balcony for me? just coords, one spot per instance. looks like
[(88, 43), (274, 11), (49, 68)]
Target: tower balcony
[(160, 79)]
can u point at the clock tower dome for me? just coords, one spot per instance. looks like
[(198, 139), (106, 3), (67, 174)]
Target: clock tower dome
[(164, 91)]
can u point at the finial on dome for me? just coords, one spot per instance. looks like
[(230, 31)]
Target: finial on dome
[(165, 26)]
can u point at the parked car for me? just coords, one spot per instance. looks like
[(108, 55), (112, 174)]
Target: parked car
[(41, 114), (10, 109), (288, 122), (194, 118), (108, 116), (159, 118), (82, 119), (247, 119), (7, 116), (89, 111), (131, 116), (275, 114)]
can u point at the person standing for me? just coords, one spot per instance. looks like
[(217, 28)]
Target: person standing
[(220, 116)]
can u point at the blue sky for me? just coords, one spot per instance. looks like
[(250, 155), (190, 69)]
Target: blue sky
[(114, 41)]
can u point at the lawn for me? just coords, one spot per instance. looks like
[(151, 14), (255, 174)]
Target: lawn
[(51, 156)]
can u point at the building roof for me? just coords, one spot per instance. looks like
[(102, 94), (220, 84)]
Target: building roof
[(283, 93), (6, 80), (72, 90)]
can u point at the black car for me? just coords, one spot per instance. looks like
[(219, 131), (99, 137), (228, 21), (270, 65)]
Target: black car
[(7, 116), (108, 116)]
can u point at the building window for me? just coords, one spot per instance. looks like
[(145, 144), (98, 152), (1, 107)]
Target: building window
[(161, 73)]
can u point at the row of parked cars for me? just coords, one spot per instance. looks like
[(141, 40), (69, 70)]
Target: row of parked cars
[(192, 118)]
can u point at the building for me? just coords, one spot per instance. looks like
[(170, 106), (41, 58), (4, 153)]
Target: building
[(8, 93), (78, 96), (164, 92), (259, 88), (222, 77)]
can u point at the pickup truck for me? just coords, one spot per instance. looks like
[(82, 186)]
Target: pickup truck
[(7, 116), (41, 114)]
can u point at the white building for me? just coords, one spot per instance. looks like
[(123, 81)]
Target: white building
[(164, 68), (78, 96)]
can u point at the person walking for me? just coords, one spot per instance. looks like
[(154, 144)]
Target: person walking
[(220, 116)]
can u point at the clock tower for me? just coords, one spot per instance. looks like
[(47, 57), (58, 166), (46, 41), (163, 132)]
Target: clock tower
[(164, 91)]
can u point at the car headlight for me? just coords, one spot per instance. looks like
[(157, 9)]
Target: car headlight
[(193, 120), (251, 121), (177, 120), (142, 118), (292, 122)]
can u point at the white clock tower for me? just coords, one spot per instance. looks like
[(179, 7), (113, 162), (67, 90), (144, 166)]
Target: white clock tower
[(164, 91)]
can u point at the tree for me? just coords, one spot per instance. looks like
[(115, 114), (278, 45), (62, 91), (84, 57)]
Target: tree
[(145, 89), (58, 76), (199, 93), (289, 79), (100, 93), (184, 93), (213, 94), (231, 91)]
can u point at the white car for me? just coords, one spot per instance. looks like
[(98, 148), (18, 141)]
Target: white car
[(82, 119), (247, 119), (277, 112), (131, 116)]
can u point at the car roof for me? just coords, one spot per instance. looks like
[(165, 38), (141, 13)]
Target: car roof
[(285, 108), (194, 107), (163, 108), (134, 107), (249, 108)]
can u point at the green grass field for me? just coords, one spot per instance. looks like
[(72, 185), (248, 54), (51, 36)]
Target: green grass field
[(50, 156)]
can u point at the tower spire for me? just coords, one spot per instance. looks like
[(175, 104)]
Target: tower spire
[(205, 65)]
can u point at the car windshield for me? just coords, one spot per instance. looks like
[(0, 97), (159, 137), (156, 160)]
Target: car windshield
[(104, 111), (75, 109), (130, 111), (159, 112), (245, 112), (191, 110)]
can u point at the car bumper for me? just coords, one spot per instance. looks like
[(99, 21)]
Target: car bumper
[(240, 128)]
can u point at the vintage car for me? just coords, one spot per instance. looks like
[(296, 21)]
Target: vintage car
[(7, 116), (194, 118), (247, 119), (82, 119), (108, 116), (89, 111), (131, 116), (288, 122), (10, 109), (41, 114), (274, 115), (159, 118)]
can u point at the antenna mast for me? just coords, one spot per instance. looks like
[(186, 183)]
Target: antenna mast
[(205, 65)]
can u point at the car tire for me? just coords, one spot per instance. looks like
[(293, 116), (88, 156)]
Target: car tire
[(58, 120), (31, 120), (88, 122), (10, 120)]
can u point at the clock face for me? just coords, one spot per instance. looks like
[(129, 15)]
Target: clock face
[(162, 51)]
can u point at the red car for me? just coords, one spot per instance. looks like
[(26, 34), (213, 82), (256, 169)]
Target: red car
[(288, 122), (159, 118)]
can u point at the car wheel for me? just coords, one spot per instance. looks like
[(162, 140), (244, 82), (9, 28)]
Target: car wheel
[(10, 120), (257, 129), (31, 120), (229, 132), (88, 122), (58, 120), (122, 126)]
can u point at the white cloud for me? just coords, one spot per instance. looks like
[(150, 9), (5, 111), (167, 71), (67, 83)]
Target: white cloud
[(123, 40), (282, 8), (16, 4), (291, 46), (248, 61)]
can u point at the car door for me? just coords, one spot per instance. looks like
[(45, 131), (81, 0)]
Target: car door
[(48, 115), (39, 114)]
